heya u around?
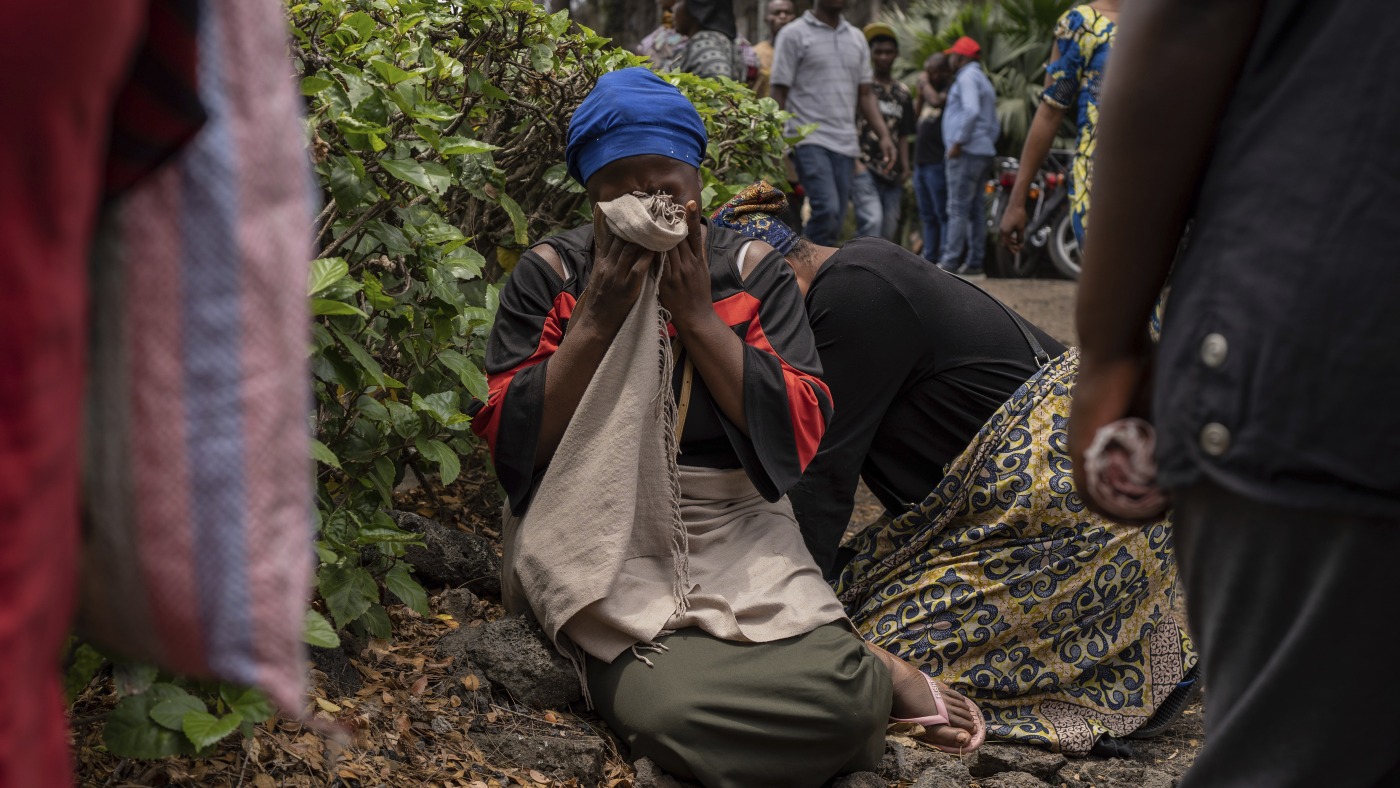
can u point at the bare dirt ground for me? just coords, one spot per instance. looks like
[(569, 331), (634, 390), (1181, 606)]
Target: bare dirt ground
[(1048, 303)]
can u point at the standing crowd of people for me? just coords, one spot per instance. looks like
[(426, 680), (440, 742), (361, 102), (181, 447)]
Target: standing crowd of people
[(840, 80)]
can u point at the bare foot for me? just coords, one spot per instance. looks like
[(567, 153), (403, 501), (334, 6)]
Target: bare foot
[(914, 699)]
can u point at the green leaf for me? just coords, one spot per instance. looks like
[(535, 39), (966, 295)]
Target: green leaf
[(517, 219), (325, 272), (360, 22), (348, 591), (325, 306), (372, 408), (464, 263), (391, 73), (362, 357), (133, 678), (171, 712), (322, 454), (461, 146), (407, 589), (310, 86), (405, 420), (376, 622), (131, 733), (442, 406), (386, 534), (317, 631), (473, 379), (408, 171), (204, 729), (449, 466), (85, 663), (247, 702)]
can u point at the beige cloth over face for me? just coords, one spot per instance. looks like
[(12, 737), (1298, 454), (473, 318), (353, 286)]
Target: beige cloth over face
[(620, 544)]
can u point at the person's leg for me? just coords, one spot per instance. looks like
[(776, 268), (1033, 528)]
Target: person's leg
[(938, 176), (978, 167), (960, 193), (1281, 599), (793, 712), (891, 199), (824, 193), (928, 218), (865, 196)]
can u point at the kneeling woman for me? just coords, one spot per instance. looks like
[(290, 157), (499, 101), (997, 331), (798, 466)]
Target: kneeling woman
[(989, 572), (710, 641)]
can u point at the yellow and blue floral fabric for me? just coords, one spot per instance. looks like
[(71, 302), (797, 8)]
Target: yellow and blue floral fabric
[(1062, 625), (1083, 38)]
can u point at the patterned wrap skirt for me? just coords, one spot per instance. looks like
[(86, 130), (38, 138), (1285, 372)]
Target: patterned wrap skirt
[(1062, 625)]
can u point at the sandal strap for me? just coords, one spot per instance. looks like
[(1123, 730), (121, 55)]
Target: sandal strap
[(941, 718)]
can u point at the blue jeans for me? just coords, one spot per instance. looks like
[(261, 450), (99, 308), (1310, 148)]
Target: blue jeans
[(826, 178), (931, 189), (865, 197), (891, 196), (966, 239)]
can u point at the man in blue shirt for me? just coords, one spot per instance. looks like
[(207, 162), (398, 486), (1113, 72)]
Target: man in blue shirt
[(970, 130)]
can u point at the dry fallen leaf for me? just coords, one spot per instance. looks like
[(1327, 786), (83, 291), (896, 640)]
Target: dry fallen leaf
[(327, 706), (419, 686), (551, 718), (471, 682), (538, 777)]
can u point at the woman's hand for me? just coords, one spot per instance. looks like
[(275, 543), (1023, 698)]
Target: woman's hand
[(1013, 227), (1104, 393), (619, 268), (685, 285)]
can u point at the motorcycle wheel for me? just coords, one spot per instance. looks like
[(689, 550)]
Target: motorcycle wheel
[(1064, 248)]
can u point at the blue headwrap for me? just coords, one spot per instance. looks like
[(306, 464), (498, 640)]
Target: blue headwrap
[(633, 112)]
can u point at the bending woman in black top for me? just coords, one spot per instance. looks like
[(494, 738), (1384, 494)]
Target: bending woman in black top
[(987, 571)]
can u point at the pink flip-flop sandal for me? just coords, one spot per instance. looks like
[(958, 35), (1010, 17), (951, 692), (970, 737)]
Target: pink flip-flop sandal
[(941, 718)]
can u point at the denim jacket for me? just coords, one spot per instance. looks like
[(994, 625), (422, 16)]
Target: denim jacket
[(970, 117)]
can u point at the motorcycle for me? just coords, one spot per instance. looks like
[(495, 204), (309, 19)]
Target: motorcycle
[(1049, 234)]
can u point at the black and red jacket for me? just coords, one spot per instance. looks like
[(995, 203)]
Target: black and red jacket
[(786, 403)]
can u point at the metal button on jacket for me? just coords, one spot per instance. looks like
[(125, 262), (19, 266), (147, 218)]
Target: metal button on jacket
[(1215, 439), (1213, 350)]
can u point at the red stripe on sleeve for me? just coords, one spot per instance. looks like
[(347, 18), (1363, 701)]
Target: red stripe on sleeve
[(804, 408), (488, 419)]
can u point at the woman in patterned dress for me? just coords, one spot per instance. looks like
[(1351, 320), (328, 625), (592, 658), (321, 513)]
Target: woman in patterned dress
[(1074, 78), (988, 573)]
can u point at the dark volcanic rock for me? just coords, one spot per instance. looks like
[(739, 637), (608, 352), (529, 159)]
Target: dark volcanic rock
[(451, 558), (1013, 780), (582, 759), (1113, 774), (993, 759), (858, 780), (515, 656), (950, 774), (341, 677), (458, 603), (649, 775), (905, 764)]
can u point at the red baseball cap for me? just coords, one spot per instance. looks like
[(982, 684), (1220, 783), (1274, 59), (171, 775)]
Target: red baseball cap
[(964, 46)]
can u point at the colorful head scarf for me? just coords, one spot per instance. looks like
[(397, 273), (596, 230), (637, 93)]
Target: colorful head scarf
[(633, 112), (754, 212)]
